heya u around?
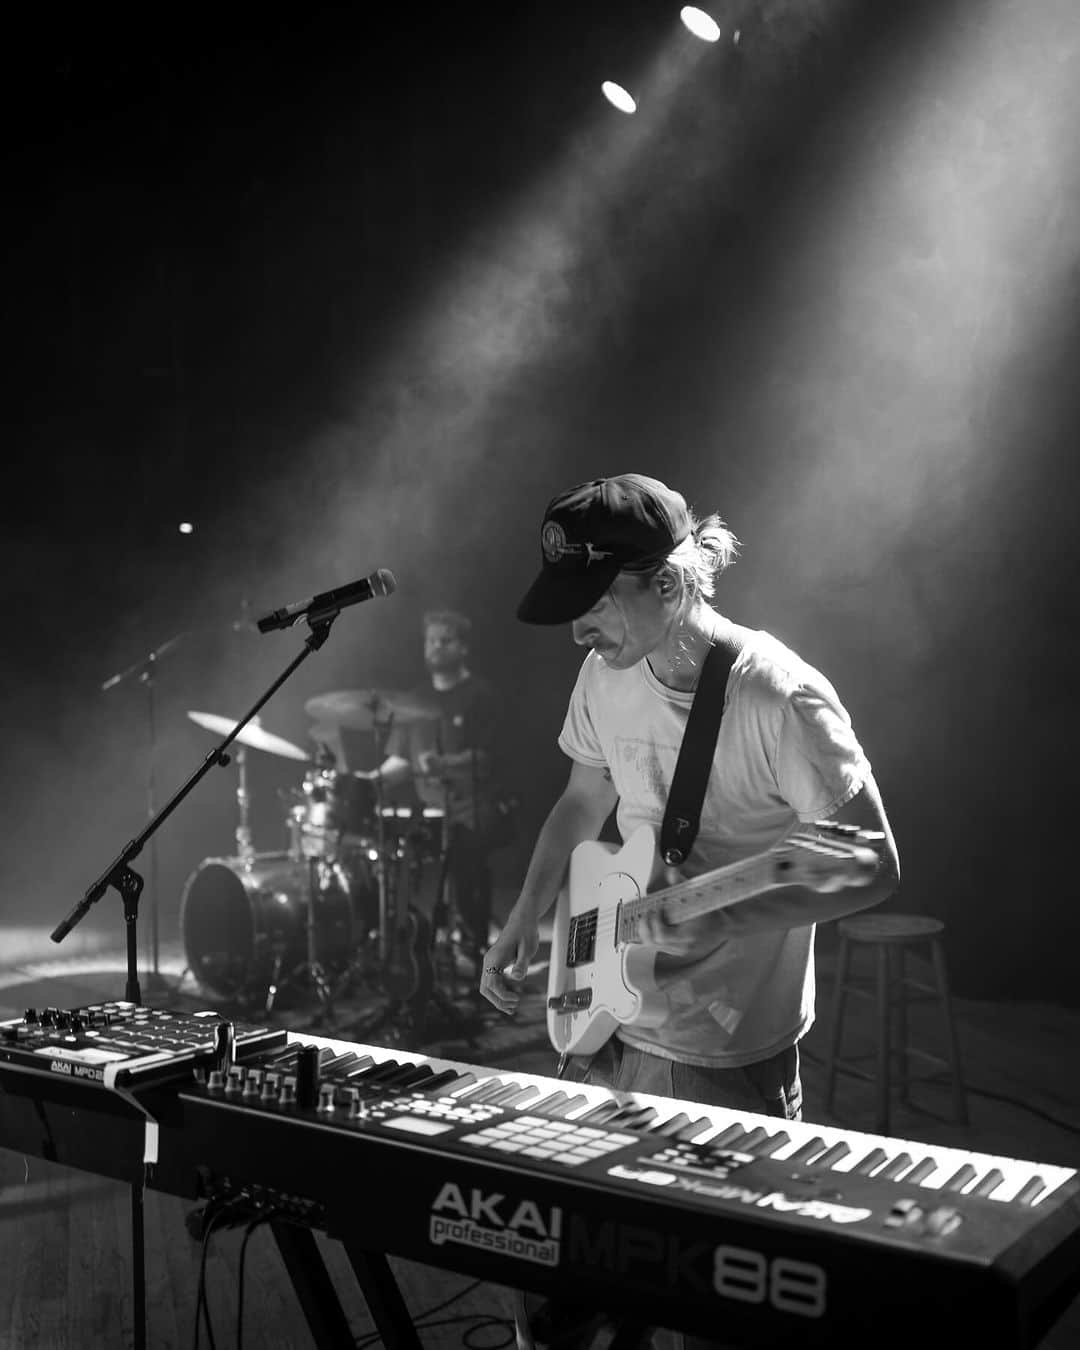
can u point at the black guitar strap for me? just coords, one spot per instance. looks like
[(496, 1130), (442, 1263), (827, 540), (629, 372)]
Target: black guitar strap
[(683, 814)]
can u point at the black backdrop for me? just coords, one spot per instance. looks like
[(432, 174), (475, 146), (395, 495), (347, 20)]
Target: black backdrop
[(359, 288)]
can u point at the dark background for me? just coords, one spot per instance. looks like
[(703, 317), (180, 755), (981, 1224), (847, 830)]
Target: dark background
[(364, 286)]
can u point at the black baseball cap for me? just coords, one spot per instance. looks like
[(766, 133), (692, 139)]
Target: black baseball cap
[(591, 533)]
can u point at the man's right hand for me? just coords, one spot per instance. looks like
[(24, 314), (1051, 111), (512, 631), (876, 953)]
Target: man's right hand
[(506, 964)]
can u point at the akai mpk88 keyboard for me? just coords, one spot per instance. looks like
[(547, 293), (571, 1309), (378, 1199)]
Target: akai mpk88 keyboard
[(744, 1228)]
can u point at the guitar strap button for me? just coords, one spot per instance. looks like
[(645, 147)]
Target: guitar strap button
[(674, 856)]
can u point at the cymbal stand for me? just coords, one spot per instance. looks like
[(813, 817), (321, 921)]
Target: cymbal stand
[(244, 848), (381, 869)]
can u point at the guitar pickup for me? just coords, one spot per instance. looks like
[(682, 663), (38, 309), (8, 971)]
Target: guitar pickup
[(571, 1002)]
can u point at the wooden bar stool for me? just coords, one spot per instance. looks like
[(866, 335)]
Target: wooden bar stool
[(892, 937)]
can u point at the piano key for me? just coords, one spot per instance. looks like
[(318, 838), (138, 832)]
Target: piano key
[(988, 1183), (1030, 1191), (671, 1125), (810, 1149), (1001, 1179), (832, 1154), (899, 1162), (960, 1178), (768, 1146), (872, 1160)]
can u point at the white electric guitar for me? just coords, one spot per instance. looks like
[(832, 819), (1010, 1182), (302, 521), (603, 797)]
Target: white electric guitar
[(601, 975)]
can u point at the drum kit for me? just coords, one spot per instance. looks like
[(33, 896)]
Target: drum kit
[(336, 905)]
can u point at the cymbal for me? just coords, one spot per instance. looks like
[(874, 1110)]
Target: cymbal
[(252, 735), (362, 709)]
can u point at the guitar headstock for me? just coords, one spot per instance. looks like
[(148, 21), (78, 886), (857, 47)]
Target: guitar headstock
[(829, 855)]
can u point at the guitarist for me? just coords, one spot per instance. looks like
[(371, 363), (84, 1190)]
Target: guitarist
[(632, 571)]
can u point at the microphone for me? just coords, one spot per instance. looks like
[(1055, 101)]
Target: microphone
[(329, 602)]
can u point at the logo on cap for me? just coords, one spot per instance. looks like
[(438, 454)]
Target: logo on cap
[(556, 547)]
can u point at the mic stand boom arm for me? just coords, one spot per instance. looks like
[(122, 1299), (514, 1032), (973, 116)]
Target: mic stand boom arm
[(120, 873)]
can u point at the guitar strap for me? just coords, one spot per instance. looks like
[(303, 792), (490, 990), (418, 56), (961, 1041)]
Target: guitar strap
[(683, 814)]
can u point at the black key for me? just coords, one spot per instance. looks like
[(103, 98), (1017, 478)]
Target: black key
[(505, 1094), (599, 1115), (519, 1098), (726, 1138), (672, 1125), (363, 1066), (769, 1146), (552, 1105), (894, 1167), (750, 1141), (960, 1178), (690, 1132), (809, 1150), (866, 1165), (832, 1155), (634, 1117), (921, 1170), (989, 1183), (441, 1080), (1030, 1191), (484, 1090)]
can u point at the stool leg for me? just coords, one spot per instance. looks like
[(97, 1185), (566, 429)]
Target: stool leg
[(937, 950), (884, 1012), (836, 1021), (900, 1002)]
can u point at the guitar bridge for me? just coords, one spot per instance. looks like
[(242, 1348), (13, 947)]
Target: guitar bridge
[(574, 1001)]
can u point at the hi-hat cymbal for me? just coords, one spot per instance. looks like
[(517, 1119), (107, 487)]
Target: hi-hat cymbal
[(252, 735), (362, 709)]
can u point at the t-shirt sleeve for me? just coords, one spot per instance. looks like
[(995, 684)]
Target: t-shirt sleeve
[(578, 737), (820, 764)]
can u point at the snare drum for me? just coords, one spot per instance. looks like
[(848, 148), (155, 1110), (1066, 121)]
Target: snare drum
[(335, 815), (244, 922)]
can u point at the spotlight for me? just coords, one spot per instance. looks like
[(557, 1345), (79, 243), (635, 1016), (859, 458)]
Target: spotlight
[(186, 527), (702, 25), (617, 96)]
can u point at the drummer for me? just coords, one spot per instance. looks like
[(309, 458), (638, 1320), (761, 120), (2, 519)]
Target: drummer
[(448, 755)]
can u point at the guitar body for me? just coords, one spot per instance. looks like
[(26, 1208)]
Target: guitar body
[(617, 979), (601, 976)]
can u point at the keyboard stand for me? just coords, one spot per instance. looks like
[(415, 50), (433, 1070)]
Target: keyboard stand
[(319, 1299)]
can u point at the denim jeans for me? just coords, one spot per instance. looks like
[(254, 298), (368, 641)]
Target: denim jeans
[(768, 1087)]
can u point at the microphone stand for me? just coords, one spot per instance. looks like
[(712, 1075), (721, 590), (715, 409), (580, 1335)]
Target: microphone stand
[(145, 671), (121, 875)]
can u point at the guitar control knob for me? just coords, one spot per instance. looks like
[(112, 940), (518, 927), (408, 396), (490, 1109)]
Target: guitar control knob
[(307, 1077)]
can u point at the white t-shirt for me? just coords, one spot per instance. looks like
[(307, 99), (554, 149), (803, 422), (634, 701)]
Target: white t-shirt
[(786, 753)]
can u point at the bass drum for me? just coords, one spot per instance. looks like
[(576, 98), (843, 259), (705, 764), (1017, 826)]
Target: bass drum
[(244, 921)]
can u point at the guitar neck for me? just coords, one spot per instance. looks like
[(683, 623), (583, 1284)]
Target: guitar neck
[(700, 895)]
